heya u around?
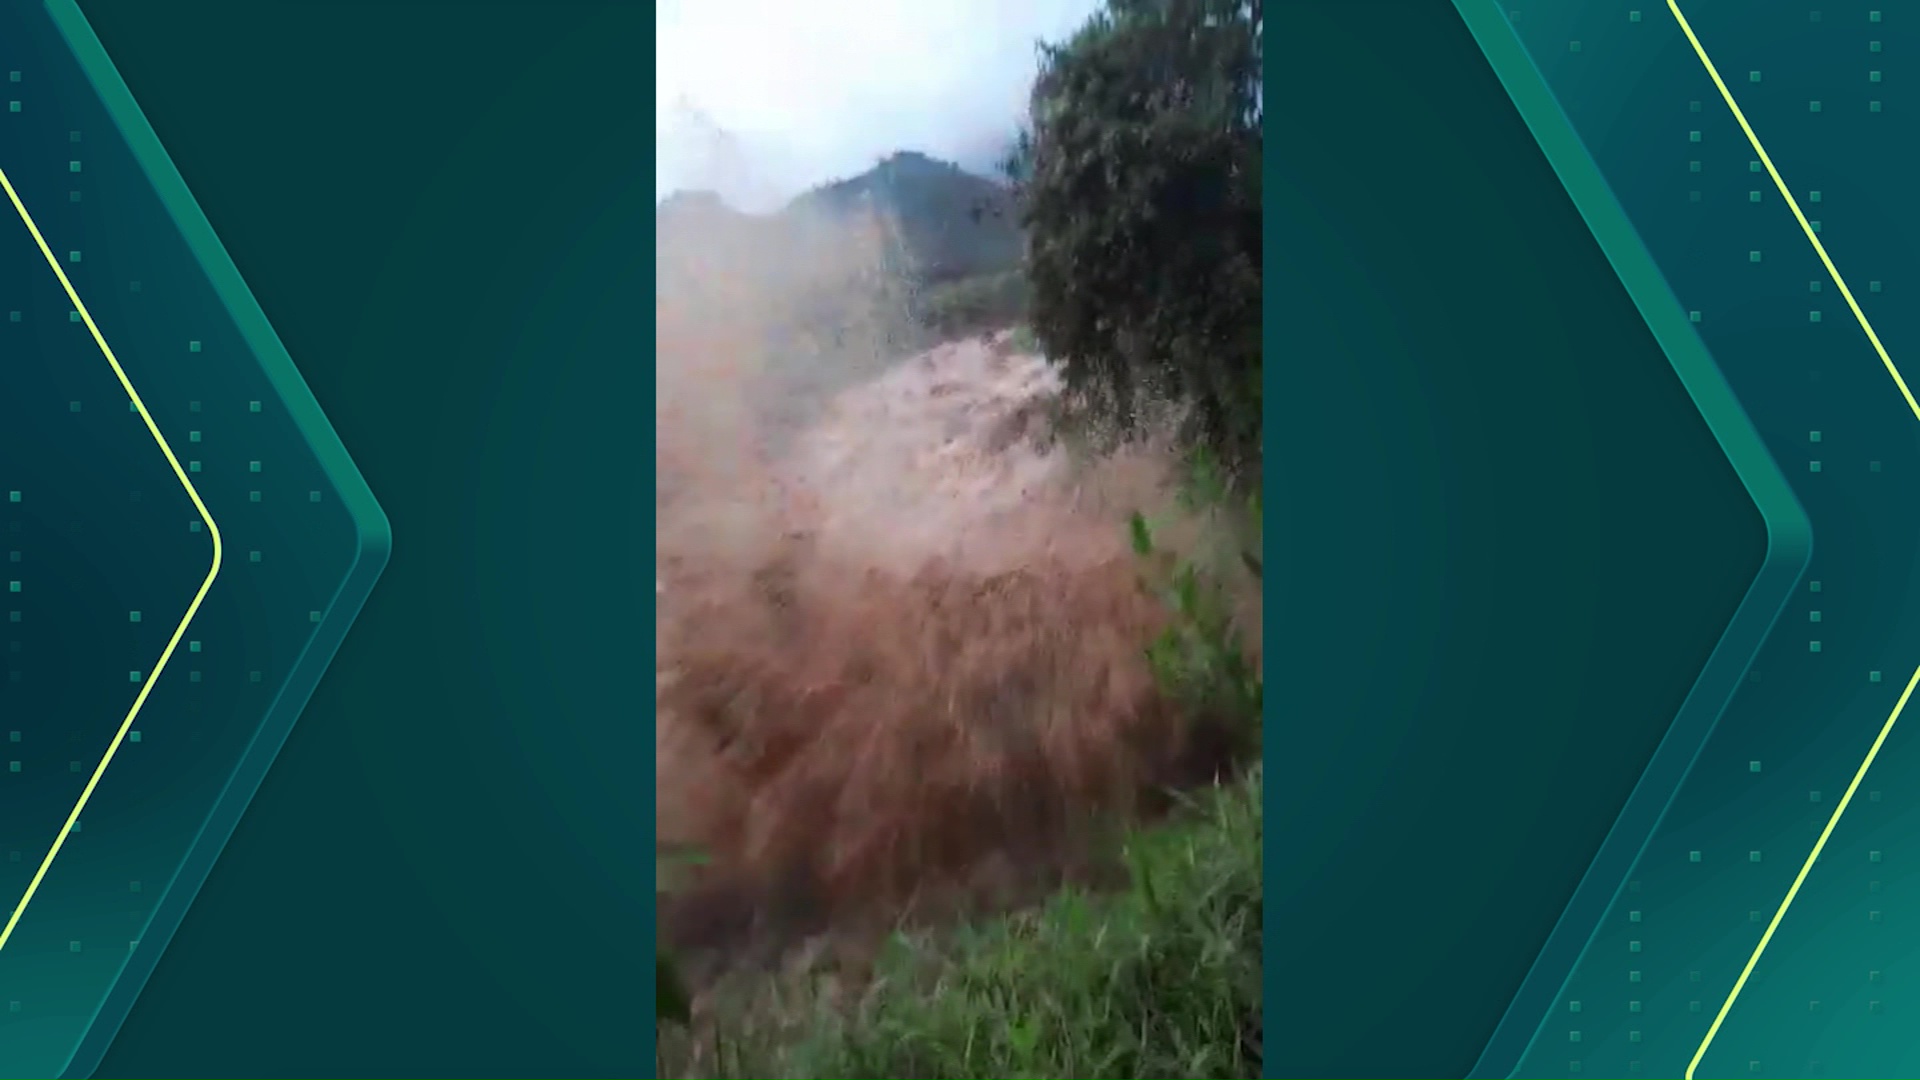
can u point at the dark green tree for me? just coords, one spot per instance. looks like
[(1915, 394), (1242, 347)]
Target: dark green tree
[(1138, 175)]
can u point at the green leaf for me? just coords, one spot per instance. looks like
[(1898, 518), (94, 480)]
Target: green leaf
[(1187, 589), (1142, 534)]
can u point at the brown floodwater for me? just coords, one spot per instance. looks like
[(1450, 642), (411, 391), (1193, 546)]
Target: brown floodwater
[(900, 629)]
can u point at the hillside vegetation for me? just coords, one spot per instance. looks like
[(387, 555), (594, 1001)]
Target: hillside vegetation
[(1140, 190)]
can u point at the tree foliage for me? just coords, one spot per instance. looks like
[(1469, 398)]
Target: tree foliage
[(1139, 182)]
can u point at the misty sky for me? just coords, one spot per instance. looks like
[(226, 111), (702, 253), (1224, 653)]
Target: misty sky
[(761, 99)]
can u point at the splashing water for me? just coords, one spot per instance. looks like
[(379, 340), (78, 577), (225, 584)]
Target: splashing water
[(901, 641)]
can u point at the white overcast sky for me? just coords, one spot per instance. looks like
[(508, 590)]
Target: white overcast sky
[(762, 99)]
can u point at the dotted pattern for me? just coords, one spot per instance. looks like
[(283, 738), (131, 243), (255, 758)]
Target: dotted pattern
[(104, 552), (1818, 84)]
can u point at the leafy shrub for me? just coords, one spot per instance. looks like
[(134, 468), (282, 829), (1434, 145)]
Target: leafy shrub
[(1139, 189), (1200, 657)]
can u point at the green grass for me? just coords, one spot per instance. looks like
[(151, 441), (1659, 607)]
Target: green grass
[(1161, 979)]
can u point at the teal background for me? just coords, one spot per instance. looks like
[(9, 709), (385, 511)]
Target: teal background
[(106, 552), (1532, 816), (1647, 970), (1537, 543), (439, 206), (1508, 543)]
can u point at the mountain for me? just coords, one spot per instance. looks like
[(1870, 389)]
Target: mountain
[(841, 282), (943, 224), (844, 280), (952, 223)]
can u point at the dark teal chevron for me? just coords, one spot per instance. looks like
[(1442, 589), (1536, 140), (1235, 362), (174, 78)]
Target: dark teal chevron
[(104, 553), (1704, 854)]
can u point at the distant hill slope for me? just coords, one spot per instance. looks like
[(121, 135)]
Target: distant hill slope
[(953, 224), (844, 280), (948, 224)]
